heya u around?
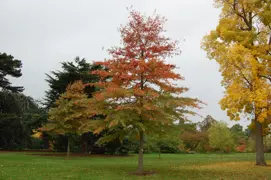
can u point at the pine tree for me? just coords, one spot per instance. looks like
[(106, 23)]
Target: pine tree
[(9, 67), (79, 70)]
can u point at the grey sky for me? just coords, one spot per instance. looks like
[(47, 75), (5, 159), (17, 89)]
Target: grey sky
[(44, 33)]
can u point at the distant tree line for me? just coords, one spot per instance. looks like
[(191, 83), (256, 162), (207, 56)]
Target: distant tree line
[(26, 115)]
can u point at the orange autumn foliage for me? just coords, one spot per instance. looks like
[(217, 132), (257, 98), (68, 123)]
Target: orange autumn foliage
[(138, 93), (137, 84)]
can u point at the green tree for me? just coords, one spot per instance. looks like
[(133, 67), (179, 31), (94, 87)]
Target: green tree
[(76, 70), (267, 143), (72, 113), (206, 123), (251, 145), (220, 137), (238, 133), (192, 139), (237, 128), (19, 115), (166, 140), (9, 67), (71, 72)]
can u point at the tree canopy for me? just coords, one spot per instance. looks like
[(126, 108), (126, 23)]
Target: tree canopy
[(19, 115), (220, 137), (141, 94), (71, 71), (72, 113), (9, 67), (241, 46)]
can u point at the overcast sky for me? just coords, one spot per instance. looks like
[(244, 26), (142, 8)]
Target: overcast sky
[(43, 33)]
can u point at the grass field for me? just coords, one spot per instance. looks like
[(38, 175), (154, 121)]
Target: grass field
[(20, 166)]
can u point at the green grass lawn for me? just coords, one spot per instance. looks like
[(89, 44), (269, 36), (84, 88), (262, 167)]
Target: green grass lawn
[(20, 166)]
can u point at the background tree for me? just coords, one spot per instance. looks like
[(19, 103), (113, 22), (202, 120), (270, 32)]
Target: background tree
[(72, 71), (196, 138), (165, 141), (19, 112), (220, 137), (206, 123), (267, 143), (239, 137), (141, 95), (72, 113), (9, 67), (238, 133), (192, 139), (251, 145), (241, 46)]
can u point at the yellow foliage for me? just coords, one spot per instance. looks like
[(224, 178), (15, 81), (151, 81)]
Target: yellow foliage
[(73, 112), (241, 45), (37, 134)]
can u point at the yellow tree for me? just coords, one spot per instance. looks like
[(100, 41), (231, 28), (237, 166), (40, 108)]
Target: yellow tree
[(241, 46), (72, 114)]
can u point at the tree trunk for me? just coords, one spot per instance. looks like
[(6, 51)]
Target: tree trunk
[(90, 147), (265, 145), (140, 154), (84, 143), (68, 147), (260, 160), (86, 147), (45, 141), (159, 156)]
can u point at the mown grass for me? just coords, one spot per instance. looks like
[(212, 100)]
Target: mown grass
[(20, 166)]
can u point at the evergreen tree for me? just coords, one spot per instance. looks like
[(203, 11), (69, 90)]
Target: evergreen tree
[(58, 81), (19, 114), (71, 72), (9, 67)]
